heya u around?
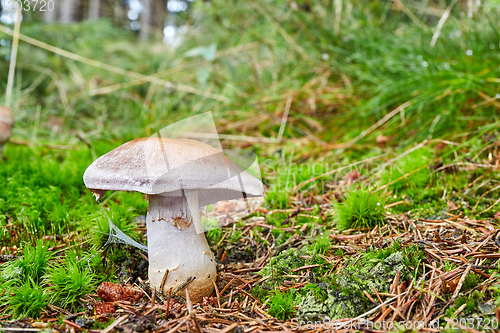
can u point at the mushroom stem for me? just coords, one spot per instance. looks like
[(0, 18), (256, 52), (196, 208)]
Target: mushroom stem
[(175, 245)]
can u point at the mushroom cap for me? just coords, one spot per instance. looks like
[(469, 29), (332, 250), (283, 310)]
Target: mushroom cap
[(6, 116), (170, 166), (5, 132)]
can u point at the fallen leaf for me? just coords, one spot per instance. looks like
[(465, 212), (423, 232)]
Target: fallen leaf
[(452, 206)]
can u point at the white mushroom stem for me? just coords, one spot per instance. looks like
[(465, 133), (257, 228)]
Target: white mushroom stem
[(174, 244)]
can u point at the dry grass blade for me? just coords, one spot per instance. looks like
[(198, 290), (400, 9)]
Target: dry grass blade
[(441, 22), (379, 123), (113, 69), (282, 31), (331, 172), (461, 282), (13, 56), (410, 14)]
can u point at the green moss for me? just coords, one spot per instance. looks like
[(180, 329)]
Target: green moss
[(32, 265), (234, 237), (360, 209), (339, 295), (277, 219), (27, 299), (282, 305), (475, 307), (277, 198), (471, 281), (214, 236), (321, 244), (336, 305), (405, 165), (284, 264), (69, 281)]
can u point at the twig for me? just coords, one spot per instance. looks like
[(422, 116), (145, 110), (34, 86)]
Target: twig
[(168, 301), (490, 207), (376, 308), (114, 324), (284, 119), (338, 16), (483, 195), (163, 280), (461, 282)]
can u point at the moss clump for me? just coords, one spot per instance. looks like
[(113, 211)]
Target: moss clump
[(283, 264), (412, 255), (360, 209), (282, 305), (336, 305), (31, 265), (69, 281), (345, 297), (476, 309), (321, 244), (26, 300)]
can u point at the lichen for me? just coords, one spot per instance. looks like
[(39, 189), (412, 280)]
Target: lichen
[(336, 305), (333, 296), (345, 297)]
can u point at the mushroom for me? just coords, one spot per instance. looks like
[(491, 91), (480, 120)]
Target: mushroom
[(179, 176), (6, 123)]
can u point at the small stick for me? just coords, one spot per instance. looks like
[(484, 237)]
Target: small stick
[(184, 284), (380, 299), (114, 324), (73, 325), (189, 304), (217, 292), (168, 301), (461, 282), (163, 280), (227, 286)]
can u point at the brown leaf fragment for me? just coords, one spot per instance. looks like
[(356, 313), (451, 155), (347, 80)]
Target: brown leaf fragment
[(351, 176), (452, 206), (382, 140), (497, 216), (463, 239), (437, 238), (101, 308)]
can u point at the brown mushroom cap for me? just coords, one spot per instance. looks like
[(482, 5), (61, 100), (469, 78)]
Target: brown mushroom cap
[(6, 116), (162, 165)]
